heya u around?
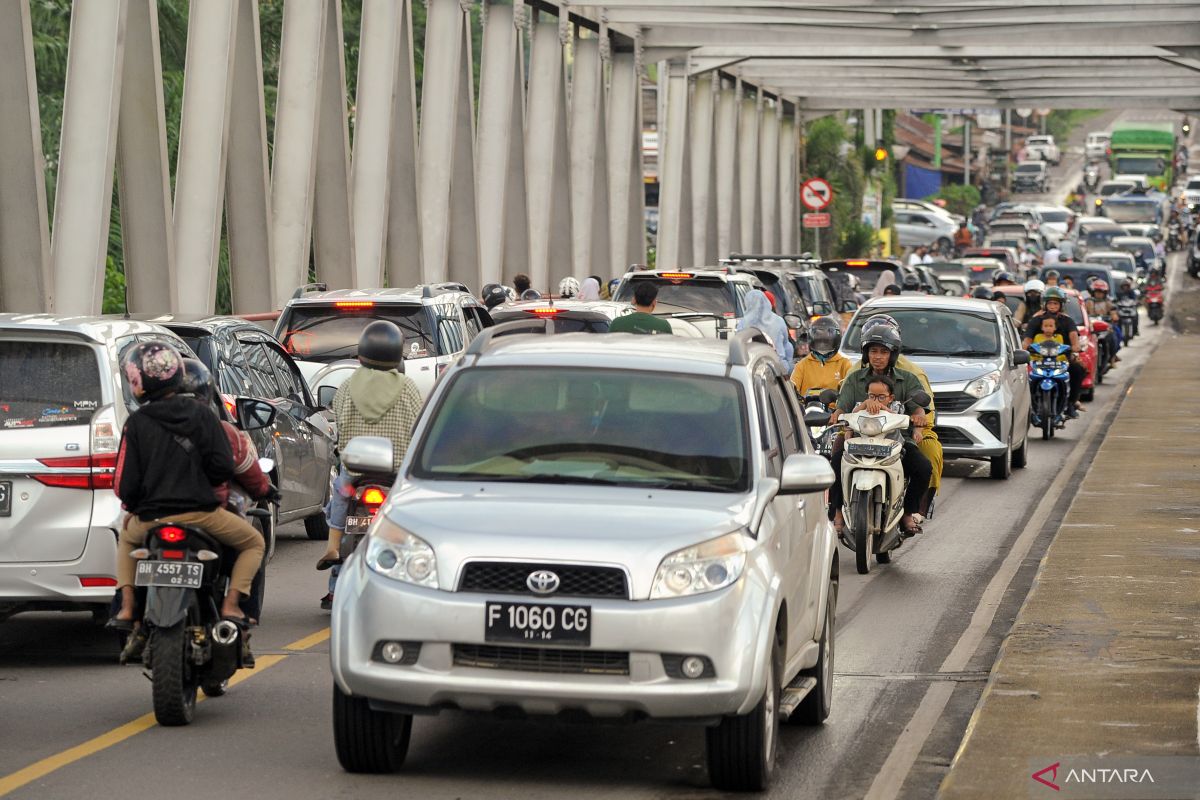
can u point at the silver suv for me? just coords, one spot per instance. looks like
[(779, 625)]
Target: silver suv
[(616, 526), (322, 328), (62, 409), (971, 352), (708, 297)]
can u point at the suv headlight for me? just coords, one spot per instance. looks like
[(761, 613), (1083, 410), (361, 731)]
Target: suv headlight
[(701, 568), (984, 385), (397, 554)]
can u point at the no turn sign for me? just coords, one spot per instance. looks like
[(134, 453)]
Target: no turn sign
[(816, 194)]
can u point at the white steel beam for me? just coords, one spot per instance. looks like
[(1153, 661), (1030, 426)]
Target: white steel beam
[(333, 230), (546, 159), (725, 140), (143, 174), (626, 191), (789, 187), (247, 174), (87, 150), (750, 117), (25, 278), (588, 161), (703, 177), (674, 202), (293, 168), (463, 251), (768, 179), (403, 260)]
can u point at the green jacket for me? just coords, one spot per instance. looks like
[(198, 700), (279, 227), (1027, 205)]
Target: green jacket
[(854, 389), (640, 322)]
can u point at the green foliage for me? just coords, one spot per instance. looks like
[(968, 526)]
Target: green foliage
[(959, 199), (114, 288), (856, 240), (1061, 122), (827, 139)]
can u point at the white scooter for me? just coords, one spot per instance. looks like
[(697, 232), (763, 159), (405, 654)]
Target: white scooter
[(873, 484)]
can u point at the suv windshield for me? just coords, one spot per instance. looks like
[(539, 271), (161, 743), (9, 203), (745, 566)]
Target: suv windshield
[(1101, 238), (1132, 212), (1029, 169), (1141, 165), (589, 426), (708, 295), (935, 332), (1052, 215), (47, 384), (325, 333), (1114, 187)]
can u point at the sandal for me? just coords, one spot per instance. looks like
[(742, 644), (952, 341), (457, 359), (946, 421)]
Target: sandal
[(135, 646), (326, 563), (119, 625), (327, 602)]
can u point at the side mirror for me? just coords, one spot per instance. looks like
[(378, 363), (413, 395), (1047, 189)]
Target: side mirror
[(828, 396), (816, 418), (821, 309), (921, 398), (254, 415), (1099, 326), (793, 321), (325, 395), (803, 473), (267, 465), (849, 307), (1020, 357), (368, 454)]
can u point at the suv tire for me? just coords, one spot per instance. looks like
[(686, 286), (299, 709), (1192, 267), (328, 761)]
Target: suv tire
[(814, 708), (366, 740), (742, 749), (316, 527), (1002, 465)]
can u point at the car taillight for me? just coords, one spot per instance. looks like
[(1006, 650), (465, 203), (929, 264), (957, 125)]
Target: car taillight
[(680, 276), (544, 312), (94, 472), (351, 304), (171, 533), (96, 582), (856, 263)]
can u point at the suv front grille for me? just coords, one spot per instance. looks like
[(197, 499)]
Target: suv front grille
[(500, 577), (953, 402), (561, 661), (952, 437)]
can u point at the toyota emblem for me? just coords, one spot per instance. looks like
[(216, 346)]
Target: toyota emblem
[(542, 581)]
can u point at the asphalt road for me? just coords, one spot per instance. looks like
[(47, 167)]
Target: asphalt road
[(914, 643)]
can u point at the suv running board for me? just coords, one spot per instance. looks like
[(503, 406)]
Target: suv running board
[(794, 695)]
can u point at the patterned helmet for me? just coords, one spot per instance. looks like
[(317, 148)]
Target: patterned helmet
[(153, 370)]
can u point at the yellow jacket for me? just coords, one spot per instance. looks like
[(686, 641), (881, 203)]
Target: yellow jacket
[(810, 374)]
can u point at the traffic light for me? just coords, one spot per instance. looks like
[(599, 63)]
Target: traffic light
[(881, 153), (1187, 126)]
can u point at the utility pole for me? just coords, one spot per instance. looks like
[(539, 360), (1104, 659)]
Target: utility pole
[(966, 151)]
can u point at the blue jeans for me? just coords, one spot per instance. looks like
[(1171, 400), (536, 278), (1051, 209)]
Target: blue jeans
[(339, 500)]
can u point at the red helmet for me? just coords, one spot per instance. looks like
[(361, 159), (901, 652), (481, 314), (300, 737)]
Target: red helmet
[(771, 297), (1099, 286)]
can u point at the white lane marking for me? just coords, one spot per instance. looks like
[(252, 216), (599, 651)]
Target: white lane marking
[(890, 779)]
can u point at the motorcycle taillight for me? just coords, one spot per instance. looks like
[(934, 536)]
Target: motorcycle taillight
[(372, 497)]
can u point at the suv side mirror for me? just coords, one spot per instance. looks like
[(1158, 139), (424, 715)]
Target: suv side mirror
[(368, 454), (821, 309), (804, 472), (254, 415), (793, 321), (1020, 357), (325, 395), (849, 307)]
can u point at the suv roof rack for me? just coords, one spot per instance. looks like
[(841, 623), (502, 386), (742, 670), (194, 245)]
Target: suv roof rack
[(770, 257), (451, 286), (309, 287), (483, 342), (739, 346)]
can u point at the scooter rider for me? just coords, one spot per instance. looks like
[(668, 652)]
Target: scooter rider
[(172, 458), (1052, 305), (1033, 296), (929, 444), (824, 367), (880, 348), (377, 400), (1100, 307)]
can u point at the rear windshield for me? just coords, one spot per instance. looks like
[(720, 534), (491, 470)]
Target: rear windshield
[(1132, 212), (1056, 216), (1145, 248), (1110, 189), (1102, 237), (1116, 261), (1141, 165), (710, 295), (1029, 169), (563, 323), (329, 333), (47, 384)]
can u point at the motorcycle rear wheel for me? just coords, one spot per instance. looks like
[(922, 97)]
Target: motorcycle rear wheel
[(172, 677), (1047, 409)]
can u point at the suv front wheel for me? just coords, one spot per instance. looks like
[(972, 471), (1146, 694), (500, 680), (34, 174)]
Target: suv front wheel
[(367, 740), (741, 749)]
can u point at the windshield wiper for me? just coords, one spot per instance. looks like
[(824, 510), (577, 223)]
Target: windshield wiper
[(974, 353), (917, 351)]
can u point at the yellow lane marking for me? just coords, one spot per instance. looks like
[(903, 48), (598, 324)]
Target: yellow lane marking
[(40, 769)]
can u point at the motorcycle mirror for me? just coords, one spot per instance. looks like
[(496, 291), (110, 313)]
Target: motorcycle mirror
[(921, 398), (816, 418), (828, 396), (267, 465)]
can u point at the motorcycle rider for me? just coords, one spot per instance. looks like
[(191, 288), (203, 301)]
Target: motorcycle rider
[(824, 367), (377, 400), (172, 458), (929, 444), (880, 349), (963, 238), (1099, 306), (1052, 306), (1033, 296), (492, 295)]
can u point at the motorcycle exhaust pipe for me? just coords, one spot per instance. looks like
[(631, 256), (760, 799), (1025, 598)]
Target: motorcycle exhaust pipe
[(225, 633)]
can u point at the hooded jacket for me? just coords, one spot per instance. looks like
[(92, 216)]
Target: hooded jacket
[(378, 403), (173, 454)]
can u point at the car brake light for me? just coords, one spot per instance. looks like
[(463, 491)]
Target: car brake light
[(545, 312), (99, 474), (172, 534), (354, 304), (373, 496), (675, 275), (856, 263), (230, 406), (96, 582), (178, 554)]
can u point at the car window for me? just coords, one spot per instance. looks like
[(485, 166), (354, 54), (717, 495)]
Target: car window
[(580, 425), (705, 294), (768, 425), (232, 372), (290, 381), (47, 384), (326, 333), (262, 376), (785, 420), (449, 329), (935, 332), (472, 322)]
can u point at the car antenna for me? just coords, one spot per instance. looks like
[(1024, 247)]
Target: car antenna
[(125, 293)]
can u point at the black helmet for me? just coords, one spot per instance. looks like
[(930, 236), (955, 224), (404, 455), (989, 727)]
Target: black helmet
[(381, 345), (981, 293), (825, 335), (493, 295), (531, 294), (912, 283), (886, 336), (152, 369), (880, 319), (1003, 275), (197, 380), (891, 288)]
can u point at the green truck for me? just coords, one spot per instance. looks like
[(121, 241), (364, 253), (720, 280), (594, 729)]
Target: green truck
[(1144, 148)]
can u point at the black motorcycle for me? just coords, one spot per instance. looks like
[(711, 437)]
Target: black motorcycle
[(1127, 308), (1174, 236), (369, 460)]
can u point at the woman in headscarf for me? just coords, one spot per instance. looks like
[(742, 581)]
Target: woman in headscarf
[(591, 290), (886, 278), (758, 314)]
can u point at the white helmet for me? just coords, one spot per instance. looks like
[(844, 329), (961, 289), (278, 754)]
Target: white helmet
[(568, 287), (1035, 286)]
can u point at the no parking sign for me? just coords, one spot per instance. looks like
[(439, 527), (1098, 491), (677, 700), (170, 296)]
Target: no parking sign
[(816, 194)]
